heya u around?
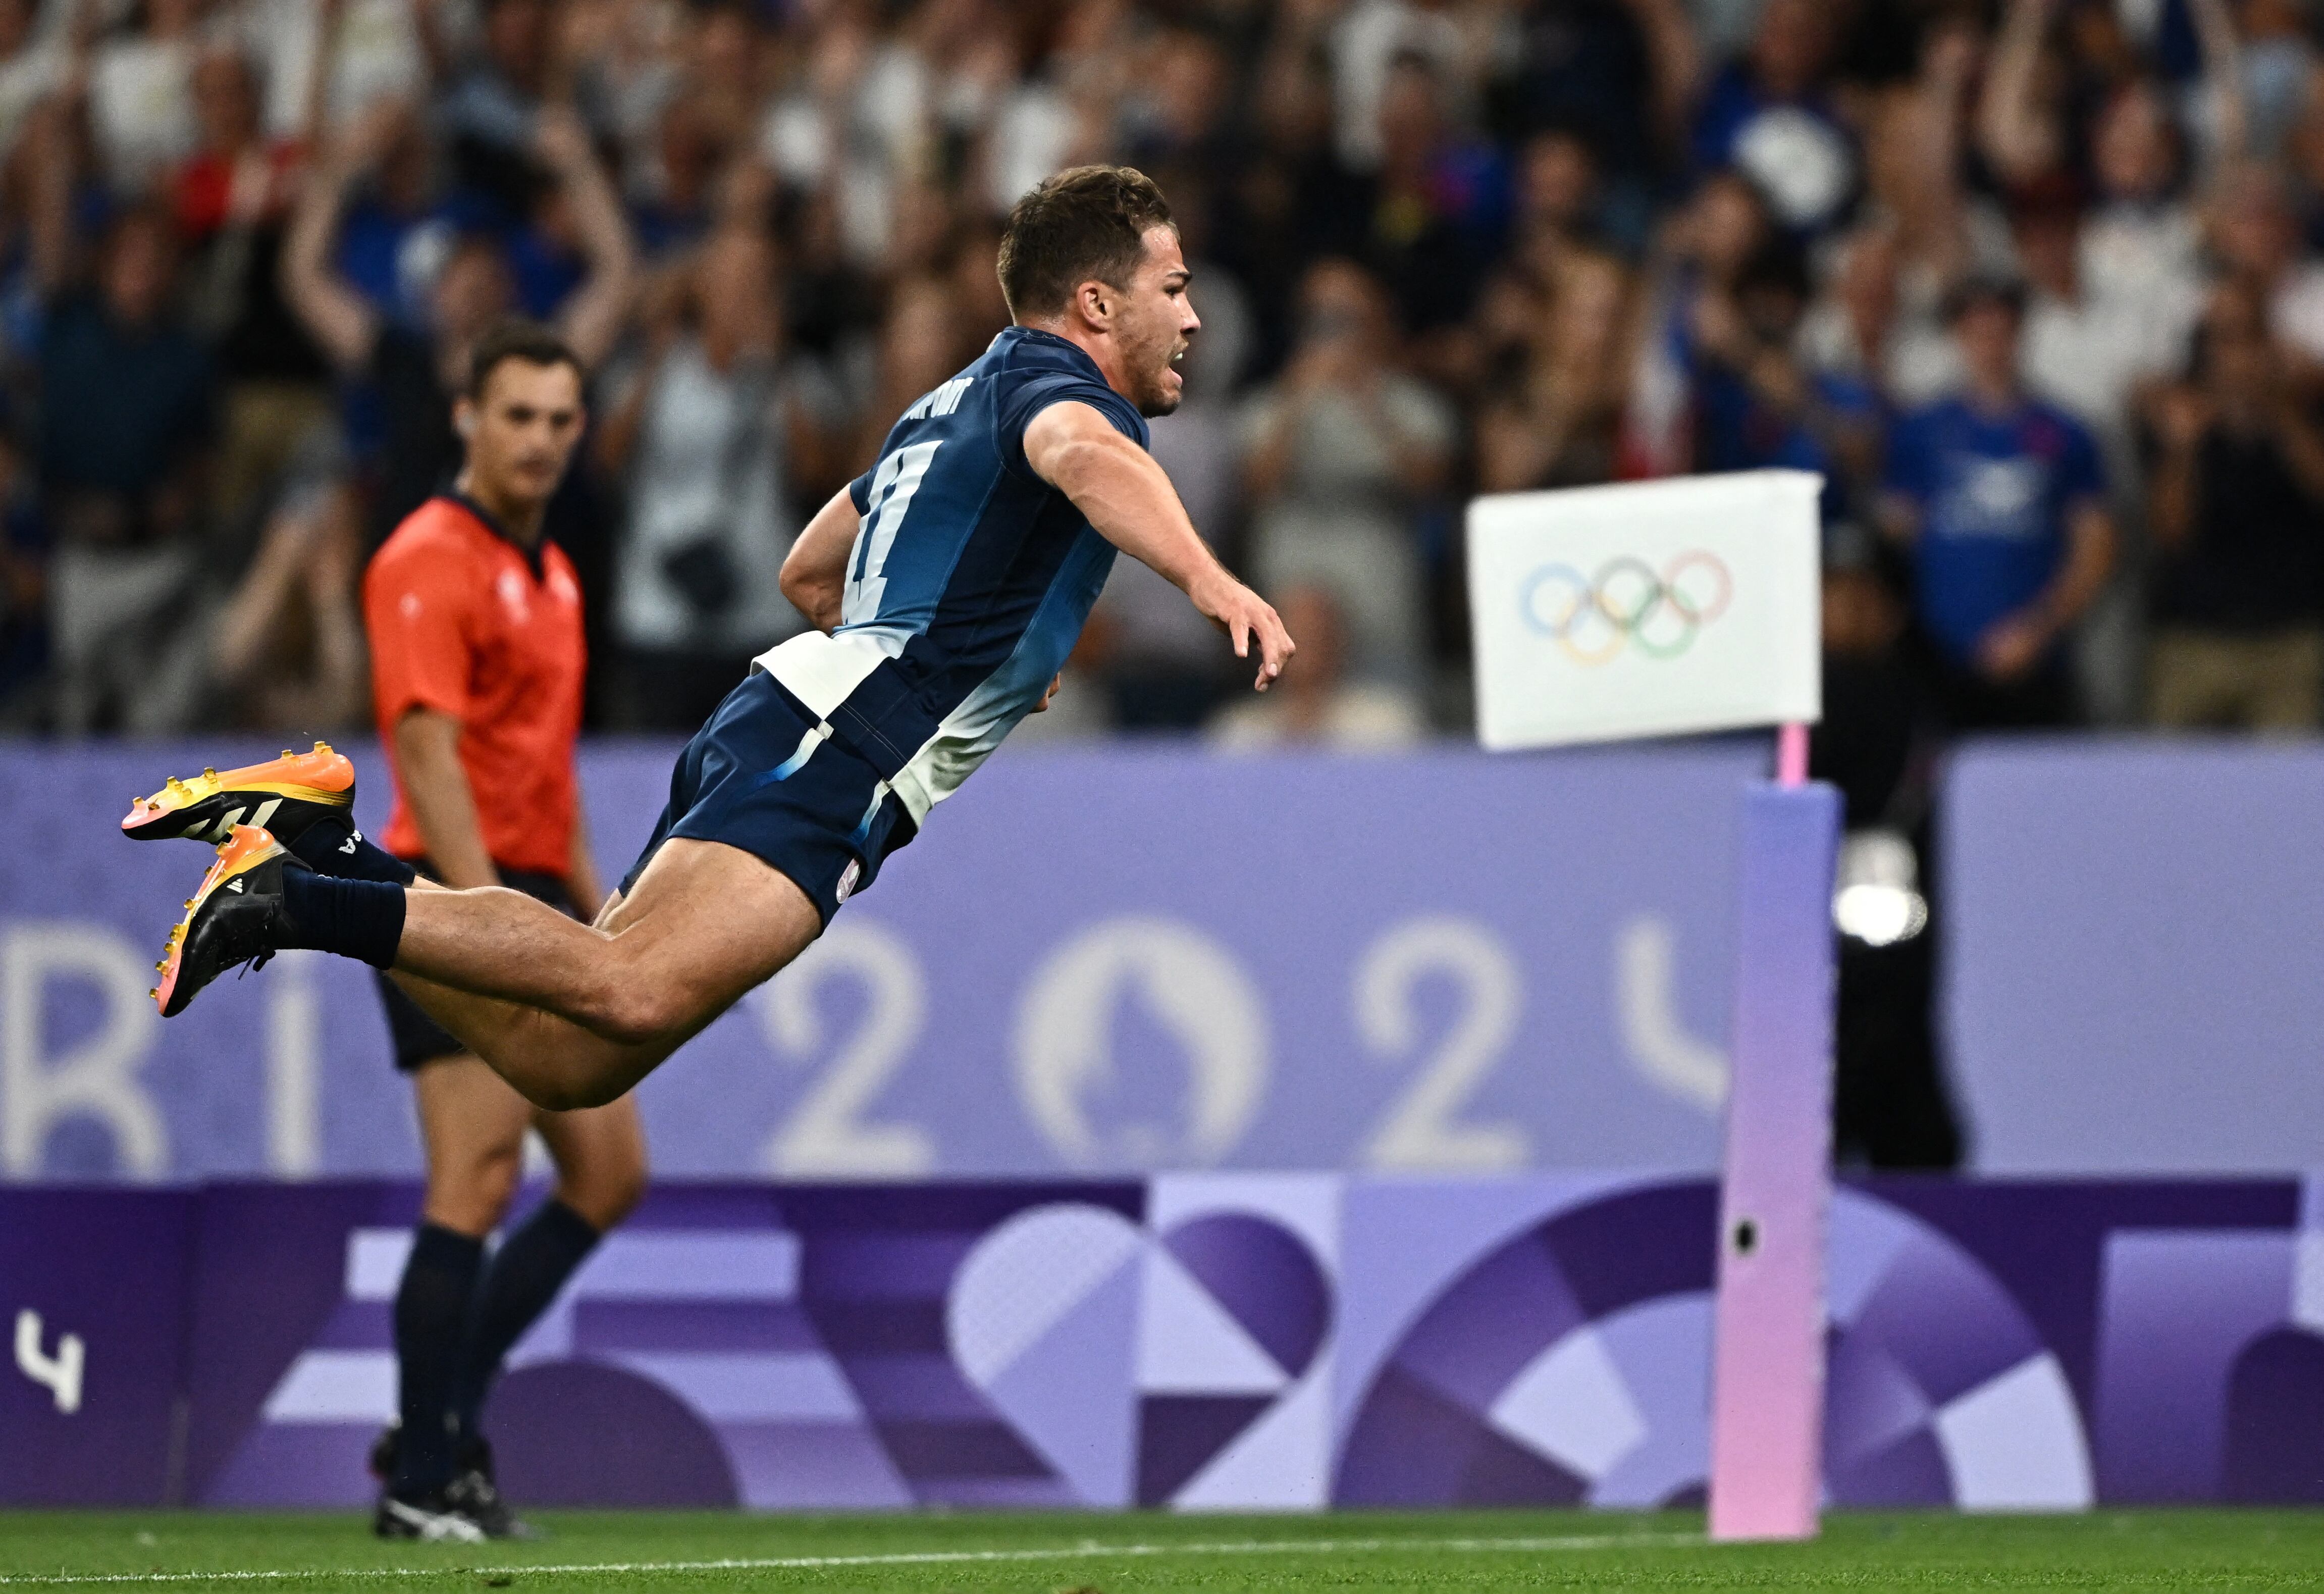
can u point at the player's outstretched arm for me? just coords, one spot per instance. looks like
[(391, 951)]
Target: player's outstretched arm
[(815, 571), (1129, 500)]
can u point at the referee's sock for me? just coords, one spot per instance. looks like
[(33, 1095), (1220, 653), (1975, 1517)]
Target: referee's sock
[(354, 918), (431, 1315), (333, 846), (525, 1275)]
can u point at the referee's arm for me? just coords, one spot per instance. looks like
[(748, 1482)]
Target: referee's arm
[(428, 756)]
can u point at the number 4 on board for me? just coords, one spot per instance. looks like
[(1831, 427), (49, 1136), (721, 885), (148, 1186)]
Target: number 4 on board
[(59, 1374)]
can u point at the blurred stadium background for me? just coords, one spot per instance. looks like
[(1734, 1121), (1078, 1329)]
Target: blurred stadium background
[(1244, 1104)]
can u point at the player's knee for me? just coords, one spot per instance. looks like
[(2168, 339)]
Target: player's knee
[(608, 1191), (473, 1190)]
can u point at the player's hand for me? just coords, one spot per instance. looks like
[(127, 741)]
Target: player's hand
[(1247, 617), (1056, 682)]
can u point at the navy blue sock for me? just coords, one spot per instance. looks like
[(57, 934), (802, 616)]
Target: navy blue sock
[(354, 918), (526, 1273), (431, 1316), (335, 847)]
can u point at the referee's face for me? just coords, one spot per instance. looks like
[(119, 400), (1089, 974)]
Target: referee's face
[(522, 431)]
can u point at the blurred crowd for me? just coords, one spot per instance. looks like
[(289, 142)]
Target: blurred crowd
[(2035, 283)]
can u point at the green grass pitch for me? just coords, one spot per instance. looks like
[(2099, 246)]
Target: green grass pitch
[(660, 1552)]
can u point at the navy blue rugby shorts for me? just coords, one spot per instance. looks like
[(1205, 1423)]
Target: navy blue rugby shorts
[(812, 807)]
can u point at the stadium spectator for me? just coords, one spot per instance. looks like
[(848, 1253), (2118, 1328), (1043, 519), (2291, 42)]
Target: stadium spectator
[(2002, 498), (1341, 450), (1611, 81), (2086, 351), (494, 96), (233, 200), (1849, 328), (125, 442), (1937, 231), (1438, 202), (2236, 510), (140, 88), (31, 66), (1701, 247), (394, 229), (1772, 115), (676, 198), (2257, 240), (1890, 1107), (1324, 707), (1549, 332), (1557, 191), (710, 429), (287, 647), (1757, 405), (919, 341), (415, 372), (23, 588)]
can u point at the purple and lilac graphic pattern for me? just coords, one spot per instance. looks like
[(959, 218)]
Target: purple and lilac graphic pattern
[(1284, 1341)]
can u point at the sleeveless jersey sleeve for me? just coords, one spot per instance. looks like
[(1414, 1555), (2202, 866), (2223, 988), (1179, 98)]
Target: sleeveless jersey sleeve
[(416, 604)]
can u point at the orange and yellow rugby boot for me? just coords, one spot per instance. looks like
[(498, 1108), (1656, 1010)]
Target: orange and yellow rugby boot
[(236, 917), (284, 797)]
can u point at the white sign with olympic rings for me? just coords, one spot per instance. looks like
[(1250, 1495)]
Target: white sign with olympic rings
[(1651, 608)]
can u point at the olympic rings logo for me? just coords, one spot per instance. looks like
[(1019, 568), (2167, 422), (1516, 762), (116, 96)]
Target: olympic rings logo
[(1626, 603)]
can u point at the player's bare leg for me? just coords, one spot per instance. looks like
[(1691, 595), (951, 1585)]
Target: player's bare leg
[(574, 1015), (571, 1014)]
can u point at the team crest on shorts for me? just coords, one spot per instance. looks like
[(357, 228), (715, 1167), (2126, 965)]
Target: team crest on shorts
[(847, 877)]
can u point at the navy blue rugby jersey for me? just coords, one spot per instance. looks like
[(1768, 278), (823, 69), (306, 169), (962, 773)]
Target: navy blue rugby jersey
[(970, 578)]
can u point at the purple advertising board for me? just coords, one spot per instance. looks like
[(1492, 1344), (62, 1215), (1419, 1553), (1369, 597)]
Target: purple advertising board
[(1193, 1341), (1091, 963), (94, 1297), (2130, 955)]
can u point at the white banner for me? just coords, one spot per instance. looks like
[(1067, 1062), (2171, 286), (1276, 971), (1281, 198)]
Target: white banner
[(1650, 608)]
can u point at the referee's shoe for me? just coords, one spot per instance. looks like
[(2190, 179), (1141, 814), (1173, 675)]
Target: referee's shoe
[(472, 1496), (284, 795)]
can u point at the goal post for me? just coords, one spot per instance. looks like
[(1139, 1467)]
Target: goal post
[(1687, 605)]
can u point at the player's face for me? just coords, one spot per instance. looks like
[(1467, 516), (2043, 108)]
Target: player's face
[(522, 430), (1156, 322)]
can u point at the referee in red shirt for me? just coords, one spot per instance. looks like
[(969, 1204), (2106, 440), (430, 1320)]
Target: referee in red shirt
[(477, 660)]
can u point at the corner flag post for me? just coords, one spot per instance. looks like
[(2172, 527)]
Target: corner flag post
[(1768, 1362), (1683, 605)]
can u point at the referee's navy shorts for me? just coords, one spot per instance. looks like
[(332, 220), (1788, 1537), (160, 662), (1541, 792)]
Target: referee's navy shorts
[(419, 1039), (764, 776)]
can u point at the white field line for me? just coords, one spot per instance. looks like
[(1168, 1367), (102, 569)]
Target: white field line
[(1083, 1551)]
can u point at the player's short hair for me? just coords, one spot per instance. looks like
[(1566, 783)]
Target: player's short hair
[(517, 338), (1089, 222)]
